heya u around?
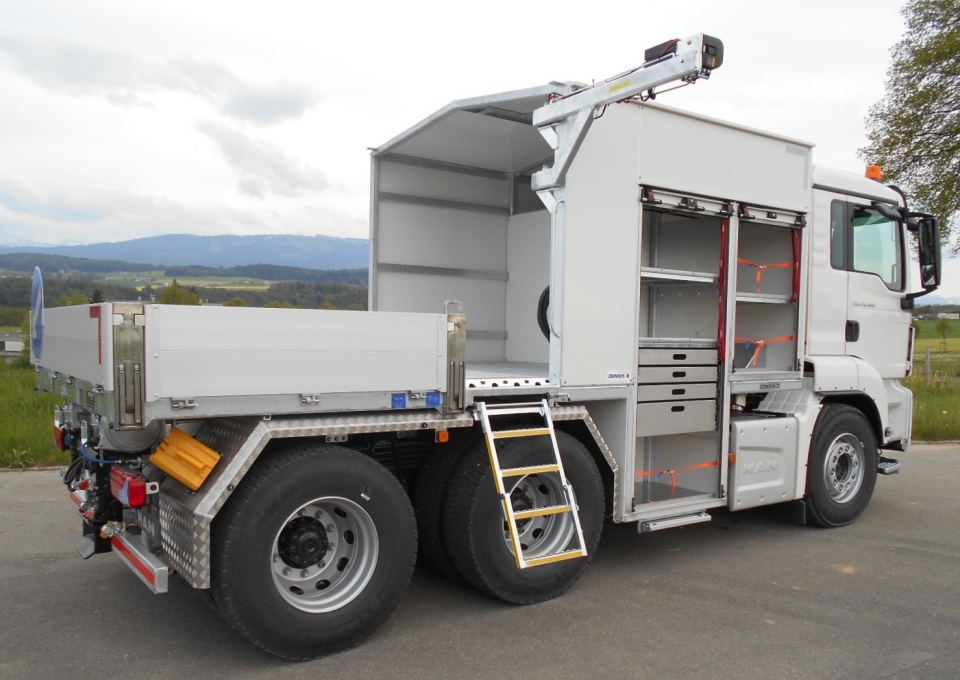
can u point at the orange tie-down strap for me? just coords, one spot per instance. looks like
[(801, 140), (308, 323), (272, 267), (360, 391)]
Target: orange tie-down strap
[(673, 474), (763, 267), (759, 345)]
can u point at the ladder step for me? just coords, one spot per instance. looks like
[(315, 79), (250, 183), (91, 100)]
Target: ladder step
[(515, 410), (542, 512), (529, 470), (531, 432), (556, 557)]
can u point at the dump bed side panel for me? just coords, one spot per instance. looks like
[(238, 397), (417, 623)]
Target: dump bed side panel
[(231, 351), (78, 342)]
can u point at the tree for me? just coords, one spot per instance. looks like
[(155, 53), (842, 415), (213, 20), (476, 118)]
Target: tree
[(944, 328), (175, 294), (97, 296), (914, 131), (277, 304), (73, 299), (235, 302)]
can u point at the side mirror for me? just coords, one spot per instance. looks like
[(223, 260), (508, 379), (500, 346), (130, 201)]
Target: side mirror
[(928, 236), (928, 233)]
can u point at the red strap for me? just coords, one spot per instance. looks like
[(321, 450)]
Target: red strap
[(673, 474), (763, 267), (759, 344)]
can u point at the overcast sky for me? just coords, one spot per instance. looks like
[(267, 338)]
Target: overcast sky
[(122, 119)]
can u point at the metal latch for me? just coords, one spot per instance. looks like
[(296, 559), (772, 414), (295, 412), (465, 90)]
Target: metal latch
[(309, 399), (182, 404), (557, 397)]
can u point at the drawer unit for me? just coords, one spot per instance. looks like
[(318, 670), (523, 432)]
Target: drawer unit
[(676, 391), (676, 417), (678, 357), (676, 374)]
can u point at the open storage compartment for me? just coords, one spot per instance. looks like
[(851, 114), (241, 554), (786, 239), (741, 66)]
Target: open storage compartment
[(454, 218), (766, 319)]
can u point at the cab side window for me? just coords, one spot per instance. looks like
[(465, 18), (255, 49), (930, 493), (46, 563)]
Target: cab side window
[(838, 235), (877, 247), (863, 240)]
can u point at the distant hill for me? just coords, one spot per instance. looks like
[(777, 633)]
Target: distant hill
[(308, 252), (25, 262)]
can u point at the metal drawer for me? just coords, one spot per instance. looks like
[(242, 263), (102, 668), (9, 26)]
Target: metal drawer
[(674, 357), (677, 391), (675, 374), (676, 417)]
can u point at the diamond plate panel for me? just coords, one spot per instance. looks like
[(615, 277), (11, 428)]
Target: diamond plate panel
[(186, 516)]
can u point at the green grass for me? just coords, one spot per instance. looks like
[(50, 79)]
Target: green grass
[(936, 406), (26, 421), (9, 329)]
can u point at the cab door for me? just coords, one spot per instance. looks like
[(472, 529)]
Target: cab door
[(877, 329)]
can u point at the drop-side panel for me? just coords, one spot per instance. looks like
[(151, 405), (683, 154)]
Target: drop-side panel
[(233, 351), (78, 342)]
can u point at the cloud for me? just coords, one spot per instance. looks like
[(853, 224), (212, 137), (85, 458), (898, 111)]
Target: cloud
[(56, 214), (263, 166), (123, 78)]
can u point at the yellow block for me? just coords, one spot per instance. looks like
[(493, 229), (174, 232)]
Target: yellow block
[(185, 459)]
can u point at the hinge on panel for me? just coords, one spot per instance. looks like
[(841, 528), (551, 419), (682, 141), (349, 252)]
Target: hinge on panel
[(557, 397), (801, 221), (646, 196), (688, 203), (309, 399), (182, 404), (726, 209), (745, 214)]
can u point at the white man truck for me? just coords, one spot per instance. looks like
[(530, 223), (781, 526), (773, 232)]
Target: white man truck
[(585, 307)]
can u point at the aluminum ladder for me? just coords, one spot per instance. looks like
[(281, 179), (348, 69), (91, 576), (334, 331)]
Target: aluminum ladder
[(542, 409)]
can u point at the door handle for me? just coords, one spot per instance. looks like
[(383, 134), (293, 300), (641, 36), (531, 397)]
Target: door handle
[(853, 331)]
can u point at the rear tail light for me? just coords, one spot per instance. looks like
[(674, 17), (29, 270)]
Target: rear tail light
[(128, 487), (59, 436)]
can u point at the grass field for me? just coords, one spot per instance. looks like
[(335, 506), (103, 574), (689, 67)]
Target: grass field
[(26, 421), (9, 329)]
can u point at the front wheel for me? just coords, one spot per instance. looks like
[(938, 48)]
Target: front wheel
[(313, 551), (842, 470)]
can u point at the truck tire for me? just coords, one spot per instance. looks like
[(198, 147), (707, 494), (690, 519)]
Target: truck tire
[(842, 471), (313, 551), (475, 530), (429, 494)]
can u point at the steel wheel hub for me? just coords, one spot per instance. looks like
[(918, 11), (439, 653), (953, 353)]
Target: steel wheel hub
[(843, 468), (324, 554), (545, 535)]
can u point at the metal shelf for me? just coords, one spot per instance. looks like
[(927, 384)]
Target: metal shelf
[(681, 343), (674, 276), (764, 299)]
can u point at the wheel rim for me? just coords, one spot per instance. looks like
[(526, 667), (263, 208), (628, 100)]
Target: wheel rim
[(843, 468), (324, 554), (539, 536)]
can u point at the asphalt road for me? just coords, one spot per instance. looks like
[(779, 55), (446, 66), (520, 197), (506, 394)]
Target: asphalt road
[(748, 595)]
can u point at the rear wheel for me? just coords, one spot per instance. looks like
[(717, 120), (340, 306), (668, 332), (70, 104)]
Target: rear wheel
[(429, 495), (476, 533), (313, 551), (842, 470)]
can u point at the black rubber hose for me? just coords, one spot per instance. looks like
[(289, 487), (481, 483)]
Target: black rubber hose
[(542, 306)]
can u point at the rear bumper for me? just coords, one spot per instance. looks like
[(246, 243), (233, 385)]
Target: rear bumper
[(151, 569)]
